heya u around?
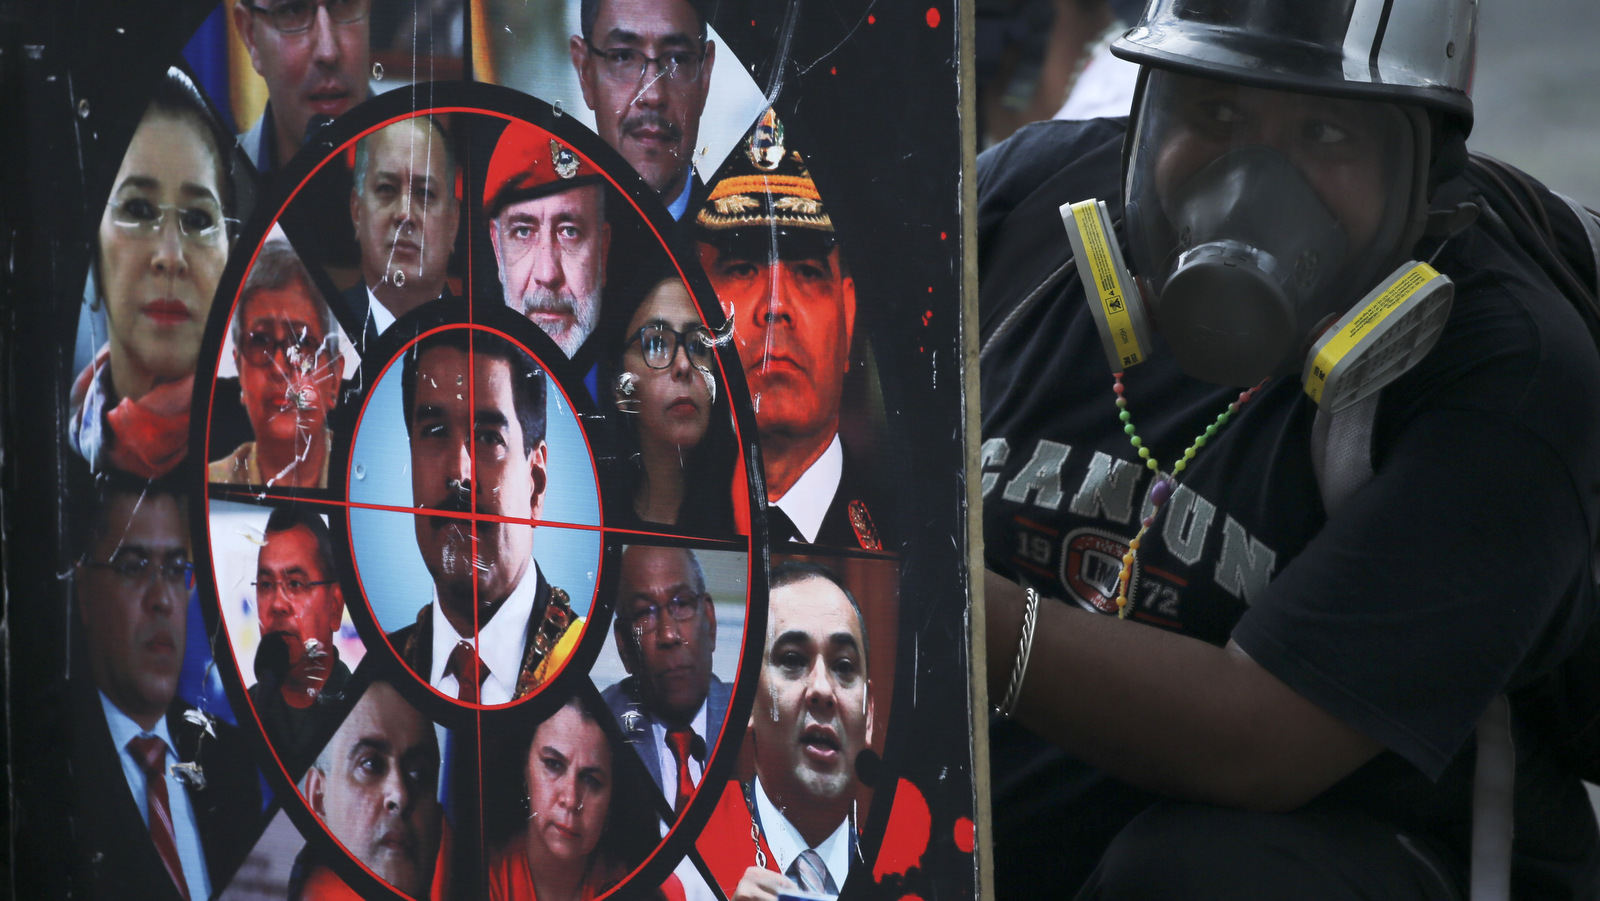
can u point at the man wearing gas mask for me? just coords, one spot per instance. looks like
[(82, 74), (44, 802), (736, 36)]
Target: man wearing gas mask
[(1299, 705)]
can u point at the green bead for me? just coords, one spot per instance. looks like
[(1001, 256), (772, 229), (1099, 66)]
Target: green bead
[(1189, 454), (1144, 454), (1222, 417), (1128, 429), (1152, 465), (1121, 402), (1124, 416), (1178, 466), (1136, 441), (1200, 442), (1211, 431)]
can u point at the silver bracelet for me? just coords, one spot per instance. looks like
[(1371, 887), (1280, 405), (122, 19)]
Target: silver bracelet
[(1030, 617)]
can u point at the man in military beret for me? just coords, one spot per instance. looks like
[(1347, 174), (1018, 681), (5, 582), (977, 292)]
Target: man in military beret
[(768, 245), (547, 212)]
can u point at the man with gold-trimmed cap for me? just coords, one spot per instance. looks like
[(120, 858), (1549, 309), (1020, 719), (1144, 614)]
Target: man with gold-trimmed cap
[(769, 247), (547, 222)]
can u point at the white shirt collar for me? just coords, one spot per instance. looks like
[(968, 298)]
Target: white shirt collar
[(669, 763), (381, 317), (807, 501), (681, 205), (501, 642), (786, 843), (124, 729)]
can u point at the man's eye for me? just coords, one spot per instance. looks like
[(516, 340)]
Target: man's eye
[(811, 272), (844, 668), (296, 586), (521, 232), (568, 232), (432, 430), (789, 659), (129, 567), (492, 437), (1325, 133), (385, 190), (292, 9), (740, 269), (622, 56), (261, 341), (373, 766)]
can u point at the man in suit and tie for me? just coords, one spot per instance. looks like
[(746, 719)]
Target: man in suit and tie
[(812, 717), (671, 706), (168, 802), (405, 211), (495, 630)]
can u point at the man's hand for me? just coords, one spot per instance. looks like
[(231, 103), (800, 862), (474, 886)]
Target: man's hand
[(760, 884)]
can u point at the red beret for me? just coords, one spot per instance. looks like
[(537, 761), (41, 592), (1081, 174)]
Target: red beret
[(528, 163)]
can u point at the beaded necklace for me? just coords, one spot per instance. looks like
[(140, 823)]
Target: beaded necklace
[(1162, 489)]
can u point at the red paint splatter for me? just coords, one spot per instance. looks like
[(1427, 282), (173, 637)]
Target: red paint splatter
[(930, 289), (906, 838), (942, 236), (933, 17), (927, 314), (833, 70), (966, 835), (872, 20)]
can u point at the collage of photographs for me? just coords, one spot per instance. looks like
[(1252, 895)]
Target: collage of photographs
[(481, 488)]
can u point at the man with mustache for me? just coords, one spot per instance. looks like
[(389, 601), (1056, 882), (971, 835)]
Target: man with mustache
[(286, 348), (768, 245), (314, 57), (547, 212), (375, 786), (168, 803), (645, 68), (496, 630), (299, 604), (404, 208), (671, 706), (812, 717)]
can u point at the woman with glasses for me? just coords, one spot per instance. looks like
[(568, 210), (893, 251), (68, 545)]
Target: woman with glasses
[(677, 452), (159, 251), (588, 816)]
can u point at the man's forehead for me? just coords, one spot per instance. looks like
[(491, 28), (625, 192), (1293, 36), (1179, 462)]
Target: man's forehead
[(814, 607), (290, 548), (640, 21), (383, 717), (151, 523), (408, 147), (653, 569), (582, 201)]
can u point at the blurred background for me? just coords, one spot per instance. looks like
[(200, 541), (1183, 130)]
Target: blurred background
[(1536, 97)]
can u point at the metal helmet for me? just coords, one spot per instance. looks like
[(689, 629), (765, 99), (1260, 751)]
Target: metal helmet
[(1406, 51)]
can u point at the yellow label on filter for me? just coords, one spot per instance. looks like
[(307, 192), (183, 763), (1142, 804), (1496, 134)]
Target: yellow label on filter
[(1351, 333), (1095, 248)]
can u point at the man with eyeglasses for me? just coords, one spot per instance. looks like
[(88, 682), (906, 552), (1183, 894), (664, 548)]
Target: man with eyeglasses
[(547, 223), (314, 56), (671, 706), (168, 802), (644, 68), (405, 211), (286, 348), (300, 605)]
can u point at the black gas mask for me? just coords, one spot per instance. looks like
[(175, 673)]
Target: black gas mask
[(1257, 218)]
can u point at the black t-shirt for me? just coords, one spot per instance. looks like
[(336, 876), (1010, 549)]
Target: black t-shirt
[(1461, 571)]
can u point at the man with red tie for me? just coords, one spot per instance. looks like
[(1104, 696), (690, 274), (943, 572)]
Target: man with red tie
[(495, 630), (168, 802), (671, 706)]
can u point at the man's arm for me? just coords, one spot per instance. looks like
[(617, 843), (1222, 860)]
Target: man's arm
[(1165, 712)]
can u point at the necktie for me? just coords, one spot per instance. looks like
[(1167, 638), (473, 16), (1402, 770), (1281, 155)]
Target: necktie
[(680, 741), (468, 668), (811, 874), (151, 753)]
